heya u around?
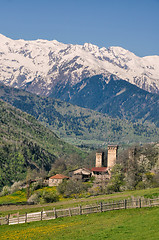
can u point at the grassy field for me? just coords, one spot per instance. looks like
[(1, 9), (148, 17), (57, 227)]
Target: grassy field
[(66, 203), (134, 224), (16, 197), (20, 196)]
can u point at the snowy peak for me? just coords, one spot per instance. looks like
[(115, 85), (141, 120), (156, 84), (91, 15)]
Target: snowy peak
[(41, 65), (90, 47), (117, 51)]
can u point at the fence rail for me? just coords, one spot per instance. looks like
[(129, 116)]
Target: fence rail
[(11, 219)]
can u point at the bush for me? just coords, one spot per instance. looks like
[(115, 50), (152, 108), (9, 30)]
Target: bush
[(43, 197), (62, 187), (92, 179), (95, 190), (5, 191), (49, 197), (72, 187), (34, 198), (37, 185), (141, 185), (110, 189), (15, 187)]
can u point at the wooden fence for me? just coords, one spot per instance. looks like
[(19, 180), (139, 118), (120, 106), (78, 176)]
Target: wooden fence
[(11, 219)]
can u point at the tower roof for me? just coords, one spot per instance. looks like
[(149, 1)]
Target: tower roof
[(114, 146)]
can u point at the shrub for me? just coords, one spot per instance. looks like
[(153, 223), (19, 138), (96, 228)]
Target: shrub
[(62, 187), (72, 187), (15, 187), (49, 197), (37, 185), (44, 197), (141, 185), (34, 198), (95, 190), (5, 191)]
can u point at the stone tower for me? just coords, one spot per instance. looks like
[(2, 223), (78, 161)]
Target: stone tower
[(112, 155), (99, 159)]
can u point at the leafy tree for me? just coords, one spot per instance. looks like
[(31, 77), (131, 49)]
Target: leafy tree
[(117, 179), (59, 166)]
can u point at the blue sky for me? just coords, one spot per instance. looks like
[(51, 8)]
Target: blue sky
[(131, 24)]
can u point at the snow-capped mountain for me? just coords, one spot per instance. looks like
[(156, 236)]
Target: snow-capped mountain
[(40, 65)]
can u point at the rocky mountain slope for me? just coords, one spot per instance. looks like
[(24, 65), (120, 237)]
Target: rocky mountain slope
[(40, 66), (115, 98)]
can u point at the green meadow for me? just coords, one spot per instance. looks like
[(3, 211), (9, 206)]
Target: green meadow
[(20, 196), (134, 224)]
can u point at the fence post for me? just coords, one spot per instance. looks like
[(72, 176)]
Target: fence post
[(70, 212), (8, 219), (140, 202), (26, 217), (55, 213), (150, 202), (18, 216), (101, 206), (80, 210), (41, 218), (136, 203), (125, 203)]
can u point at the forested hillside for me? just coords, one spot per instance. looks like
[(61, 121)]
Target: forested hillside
[(24, 143)]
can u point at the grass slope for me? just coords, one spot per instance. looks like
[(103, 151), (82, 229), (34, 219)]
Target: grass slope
[(68, 203), (121, 224), (78, 125)]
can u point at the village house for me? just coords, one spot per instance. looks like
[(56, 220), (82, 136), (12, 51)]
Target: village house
[(56, 180), (83, 174), (101, 173)]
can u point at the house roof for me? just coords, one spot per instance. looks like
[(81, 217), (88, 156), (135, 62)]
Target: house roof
[(84, 171), (58, 176), (99, 169)]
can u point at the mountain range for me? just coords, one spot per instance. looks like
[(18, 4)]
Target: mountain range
[(121, 87), (40, 66), (118, 99)]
